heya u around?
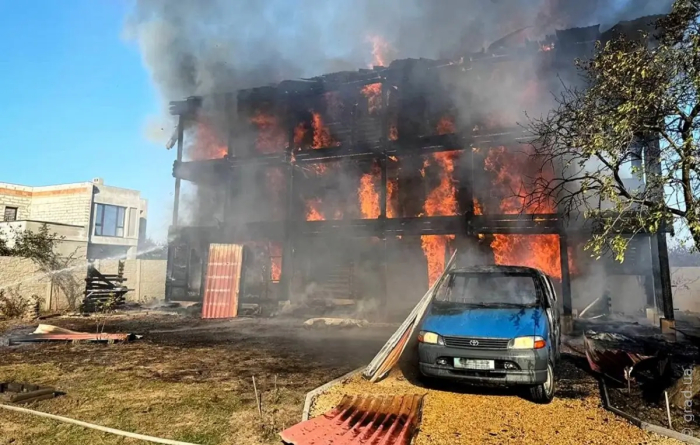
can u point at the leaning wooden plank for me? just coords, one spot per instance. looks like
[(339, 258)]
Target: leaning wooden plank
[(393, 357), (409, 325)]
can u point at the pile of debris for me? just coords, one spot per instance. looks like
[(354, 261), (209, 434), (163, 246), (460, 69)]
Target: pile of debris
[(104, 291)]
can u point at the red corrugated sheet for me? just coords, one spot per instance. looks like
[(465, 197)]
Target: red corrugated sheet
[(370, 420), (612, 359), (223, 281)]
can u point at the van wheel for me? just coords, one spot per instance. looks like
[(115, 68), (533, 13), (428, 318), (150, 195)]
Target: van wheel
[(544, 392)]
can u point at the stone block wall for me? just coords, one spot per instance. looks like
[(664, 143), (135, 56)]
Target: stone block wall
[(66, 204), (15, 196), (20, 276)]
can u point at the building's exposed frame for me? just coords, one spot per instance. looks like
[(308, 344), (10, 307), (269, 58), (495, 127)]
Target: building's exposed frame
[(294, 226)]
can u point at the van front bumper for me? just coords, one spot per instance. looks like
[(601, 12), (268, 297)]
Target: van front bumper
[(531, 365)]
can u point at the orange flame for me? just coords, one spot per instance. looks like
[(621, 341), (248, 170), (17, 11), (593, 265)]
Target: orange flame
[(313, 212), (446, 125), (322, 136), (380, 50), (207, 144), (275, 262), (393, 133), (373, 93), (368, 196), (392, 186), (435, 249), (478, 210), (299, 134), (271, 136), (442, 201), (538, 251)]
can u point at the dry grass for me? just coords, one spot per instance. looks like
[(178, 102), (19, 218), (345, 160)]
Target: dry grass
[(192, 386)]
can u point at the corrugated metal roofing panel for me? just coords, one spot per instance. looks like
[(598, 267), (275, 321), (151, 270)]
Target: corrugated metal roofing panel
[(370, 420), (223, 281)]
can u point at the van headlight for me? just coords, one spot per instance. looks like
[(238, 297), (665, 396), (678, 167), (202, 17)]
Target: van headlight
[(430, 338), (530, 342)]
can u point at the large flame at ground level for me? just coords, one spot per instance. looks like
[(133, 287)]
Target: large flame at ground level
[(435, 250), (538, 251), (441, 201), (511, 170)]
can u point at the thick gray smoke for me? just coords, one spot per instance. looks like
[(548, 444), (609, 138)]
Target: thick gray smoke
[(207, 46)]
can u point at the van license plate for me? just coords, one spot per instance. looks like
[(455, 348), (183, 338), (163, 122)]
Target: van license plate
[(464, 363)]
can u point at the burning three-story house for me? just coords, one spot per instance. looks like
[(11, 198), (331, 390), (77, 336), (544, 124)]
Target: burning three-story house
[(352, 188)]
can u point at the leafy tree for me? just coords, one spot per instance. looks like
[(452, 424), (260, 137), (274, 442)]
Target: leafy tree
[(634, 92), (41, 248)]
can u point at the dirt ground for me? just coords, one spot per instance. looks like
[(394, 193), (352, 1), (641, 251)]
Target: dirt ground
[(191, 380), (193, 383)]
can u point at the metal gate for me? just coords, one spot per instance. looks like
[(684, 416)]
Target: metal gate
[(222, 281)]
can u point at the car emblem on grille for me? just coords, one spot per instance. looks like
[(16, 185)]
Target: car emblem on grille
[(474, 342)]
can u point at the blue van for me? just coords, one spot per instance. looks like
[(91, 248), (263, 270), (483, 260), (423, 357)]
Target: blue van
[(493, 325)]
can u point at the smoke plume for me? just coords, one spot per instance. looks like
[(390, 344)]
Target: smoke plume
[(194, 47)]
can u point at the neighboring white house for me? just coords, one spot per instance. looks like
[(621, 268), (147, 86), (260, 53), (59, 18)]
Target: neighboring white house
[(97, 220)]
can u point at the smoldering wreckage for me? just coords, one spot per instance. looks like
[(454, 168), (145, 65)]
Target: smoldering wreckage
[(335, 197)]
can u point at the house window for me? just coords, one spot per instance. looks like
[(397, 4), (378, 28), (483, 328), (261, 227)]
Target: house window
[(109, 220), (10, 214)]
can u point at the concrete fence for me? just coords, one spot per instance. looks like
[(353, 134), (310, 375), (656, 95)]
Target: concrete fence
[(20, 276), (145, 277)]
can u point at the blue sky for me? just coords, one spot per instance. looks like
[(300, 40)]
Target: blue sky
[(76, 98)]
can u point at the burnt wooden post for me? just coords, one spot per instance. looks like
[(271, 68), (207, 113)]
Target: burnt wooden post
[(172, 231), (180, 142), (383, 195), (290, 221), (661, 273), (659, 248), (665, 274), (230, 180), (565, 273)]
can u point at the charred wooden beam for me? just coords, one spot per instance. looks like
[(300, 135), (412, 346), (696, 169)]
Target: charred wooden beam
[(565, 274), (202, 171)]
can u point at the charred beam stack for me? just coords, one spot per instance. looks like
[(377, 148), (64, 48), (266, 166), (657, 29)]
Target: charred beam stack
[(104, 290)]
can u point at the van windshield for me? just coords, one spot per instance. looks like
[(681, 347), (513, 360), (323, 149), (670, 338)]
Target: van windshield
[(487, 289)]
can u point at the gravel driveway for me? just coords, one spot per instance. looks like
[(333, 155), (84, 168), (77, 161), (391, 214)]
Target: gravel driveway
[(455, 414)]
